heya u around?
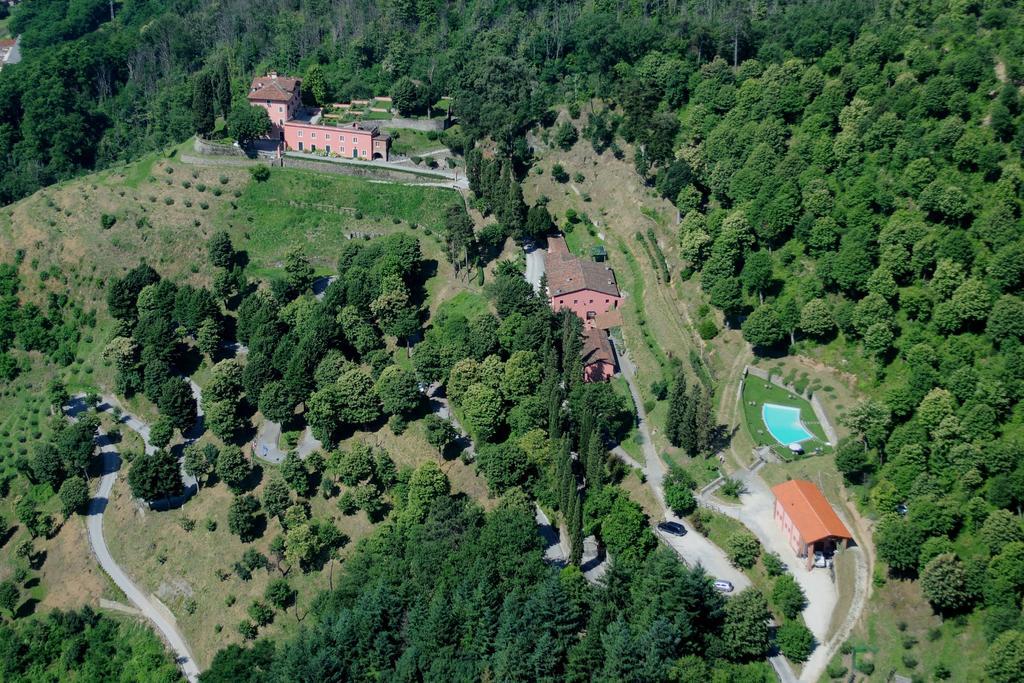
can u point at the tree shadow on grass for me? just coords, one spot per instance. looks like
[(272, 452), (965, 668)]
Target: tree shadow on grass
[(27, 608), (7, 534), (189, 360)]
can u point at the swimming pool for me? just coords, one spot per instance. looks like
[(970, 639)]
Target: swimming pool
[(783, 423)]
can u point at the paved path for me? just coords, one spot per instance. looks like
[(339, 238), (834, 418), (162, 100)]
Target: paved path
[(439, 406), (266, 446), (620, 453), (110, 462), (453, 177), (141, 427), (534, 265), (693, 548), (556, 549)]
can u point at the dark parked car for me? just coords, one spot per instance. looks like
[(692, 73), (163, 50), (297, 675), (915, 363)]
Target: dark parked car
[(674, 528)]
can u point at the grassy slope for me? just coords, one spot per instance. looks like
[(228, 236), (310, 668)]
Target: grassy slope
[(66, 250)]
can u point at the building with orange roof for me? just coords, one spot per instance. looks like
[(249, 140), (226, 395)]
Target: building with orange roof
[(808, 521), (585, 287)]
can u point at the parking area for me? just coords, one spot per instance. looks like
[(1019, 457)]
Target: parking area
[(757, 513)]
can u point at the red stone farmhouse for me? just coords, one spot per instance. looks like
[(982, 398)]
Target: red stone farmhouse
[(589, 290), (300, 129)]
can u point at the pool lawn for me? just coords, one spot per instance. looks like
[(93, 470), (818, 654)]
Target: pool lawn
[(757, 392)]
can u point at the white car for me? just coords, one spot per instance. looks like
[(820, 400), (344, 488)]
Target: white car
[(724, 586), (820, 561)]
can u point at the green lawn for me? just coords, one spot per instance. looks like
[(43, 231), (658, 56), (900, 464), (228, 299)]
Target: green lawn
[(303, 207), (757, 392), (412, 142), (470, 305)]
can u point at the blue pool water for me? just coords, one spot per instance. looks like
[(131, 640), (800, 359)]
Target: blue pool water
[(783, 423)]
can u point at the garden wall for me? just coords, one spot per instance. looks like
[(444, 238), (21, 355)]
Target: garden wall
[(365, 171), (216, 148), (425, 125), (819, 411)]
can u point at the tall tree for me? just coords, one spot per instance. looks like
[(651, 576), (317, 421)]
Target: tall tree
[(203, 102)]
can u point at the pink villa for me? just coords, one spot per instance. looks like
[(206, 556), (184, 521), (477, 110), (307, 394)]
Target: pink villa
[(586, 288), (300, 128)]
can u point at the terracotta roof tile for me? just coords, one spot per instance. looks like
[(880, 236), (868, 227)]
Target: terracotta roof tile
[(274, 88), (810, 511), (597, 348), (567, 273)]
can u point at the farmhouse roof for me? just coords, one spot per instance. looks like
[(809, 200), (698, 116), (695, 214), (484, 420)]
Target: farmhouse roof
[(274, 88), (567, 274), (597, 348), (810, 511)]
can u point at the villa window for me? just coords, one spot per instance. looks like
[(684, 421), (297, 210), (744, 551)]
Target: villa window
[(280, 109), (313, 134), (268, 103), (327, 135), (355, 139), (300, 146), (300, 133)]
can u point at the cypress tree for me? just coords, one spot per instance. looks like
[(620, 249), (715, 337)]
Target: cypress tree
[(596, 456), (572, 348), (223, 87), (566, 480), (575, 524), (677, 403), (202, 103), (586, 429), (688, 427), (703, 423), (554, 411), (551, 373)]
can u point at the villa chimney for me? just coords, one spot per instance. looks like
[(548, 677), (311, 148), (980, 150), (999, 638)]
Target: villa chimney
[(273, 74)]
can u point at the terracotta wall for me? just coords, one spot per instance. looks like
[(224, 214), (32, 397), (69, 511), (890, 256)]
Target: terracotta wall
[(583, 302)]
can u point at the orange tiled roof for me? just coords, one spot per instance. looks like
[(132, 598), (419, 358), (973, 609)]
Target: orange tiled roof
[(810, 511), (597, 348), (274, 88), (567, 274)]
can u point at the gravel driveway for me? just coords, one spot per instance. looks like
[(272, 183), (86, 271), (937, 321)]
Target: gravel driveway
[(756, 512)]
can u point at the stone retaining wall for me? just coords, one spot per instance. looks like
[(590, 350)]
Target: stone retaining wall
[(819, 410), (367, 171), (216, 148), (424, 125)]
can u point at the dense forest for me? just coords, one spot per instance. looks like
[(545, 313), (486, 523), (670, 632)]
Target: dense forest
[(91, 91), (82, 646), (866, 206), (451, 593)]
